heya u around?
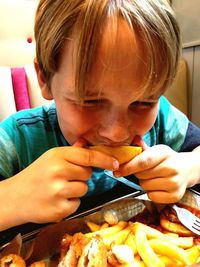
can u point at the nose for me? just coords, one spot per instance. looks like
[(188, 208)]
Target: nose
[(115, 127)]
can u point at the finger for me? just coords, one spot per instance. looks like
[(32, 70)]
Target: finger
[(74, 189), (158, 171), (139, 142), (88, 157), (63, 169), (73, 172), (159, 183), (70, 206), (164, 197), (147, 160), (81, 142)]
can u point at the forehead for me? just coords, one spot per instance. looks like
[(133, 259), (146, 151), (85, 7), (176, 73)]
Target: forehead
[(119, 46), (120, 56)]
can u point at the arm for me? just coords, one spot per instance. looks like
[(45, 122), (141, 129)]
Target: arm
[(50, 188), (192, 138)]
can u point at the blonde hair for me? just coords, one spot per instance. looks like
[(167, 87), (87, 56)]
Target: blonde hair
[(153, 20)]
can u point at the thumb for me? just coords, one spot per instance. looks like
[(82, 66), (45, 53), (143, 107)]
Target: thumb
[(139, 142), (80, 142)]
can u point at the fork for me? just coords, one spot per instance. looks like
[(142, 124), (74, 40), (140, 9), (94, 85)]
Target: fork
[(188, 219)]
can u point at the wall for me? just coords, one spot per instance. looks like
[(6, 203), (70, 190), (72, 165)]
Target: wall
[(17, 46), (192, 57), (188, 16)]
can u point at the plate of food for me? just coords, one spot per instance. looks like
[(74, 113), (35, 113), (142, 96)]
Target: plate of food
[(130, 231)]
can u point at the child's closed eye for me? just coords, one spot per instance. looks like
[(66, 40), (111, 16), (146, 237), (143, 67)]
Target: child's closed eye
[(92, 102), (142, 104)]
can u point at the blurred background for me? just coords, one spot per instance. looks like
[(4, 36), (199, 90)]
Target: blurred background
[(188, 15)]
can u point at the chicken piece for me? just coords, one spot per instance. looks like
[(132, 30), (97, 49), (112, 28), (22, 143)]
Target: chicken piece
[(94, 254), (12, 260), (75, 249)]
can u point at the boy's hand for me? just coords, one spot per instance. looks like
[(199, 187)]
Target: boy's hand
[(49, 189), (162, 172)]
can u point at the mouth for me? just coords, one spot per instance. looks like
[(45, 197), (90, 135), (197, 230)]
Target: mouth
[(107, 143), (116, 145), (111, 144)]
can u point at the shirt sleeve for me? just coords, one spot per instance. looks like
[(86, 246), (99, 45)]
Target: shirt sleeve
[(192, 139), (170, 127), (9, 163)]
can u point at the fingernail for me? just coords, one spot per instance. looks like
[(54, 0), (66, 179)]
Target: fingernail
[(117, 174), (115, 164)]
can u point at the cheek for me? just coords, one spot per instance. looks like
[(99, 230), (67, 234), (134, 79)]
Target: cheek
[(73, 120), (150, 118), (144, 121)]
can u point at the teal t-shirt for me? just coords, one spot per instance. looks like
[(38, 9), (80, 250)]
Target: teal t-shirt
[(27, 134)]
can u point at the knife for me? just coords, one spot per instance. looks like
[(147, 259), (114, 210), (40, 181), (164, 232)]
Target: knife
[(126, 181)]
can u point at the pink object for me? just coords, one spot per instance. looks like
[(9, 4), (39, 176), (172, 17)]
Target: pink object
[(29, 40), (20, 88)]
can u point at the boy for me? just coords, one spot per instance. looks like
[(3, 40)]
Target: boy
[(106, 64)]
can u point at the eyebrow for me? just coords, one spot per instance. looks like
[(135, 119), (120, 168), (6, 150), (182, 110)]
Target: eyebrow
[(96, 94)]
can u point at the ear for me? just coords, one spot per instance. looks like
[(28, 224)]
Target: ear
[(45, 90)]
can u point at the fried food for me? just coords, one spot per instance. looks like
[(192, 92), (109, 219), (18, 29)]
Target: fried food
[(85, 252), (94, 254), (93, 226), (108, 232), (193, 254), (125, 244), (182, 242), (122, 153), (74, 251), (132, 244), (38, 264), (12, 260), (145, 251), (123, 253), (130, 241), (118, 239), (166, 248), (173, 227)]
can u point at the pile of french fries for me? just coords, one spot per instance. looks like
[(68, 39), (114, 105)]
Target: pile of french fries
[(145, 246)]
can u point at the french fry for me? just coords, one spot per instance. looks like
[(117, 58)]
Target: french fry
[(108, 232), (104, 226), (193, 254), (171, 262), (125, 257), (170, 234), (93, 226), (130, 241), (162, 247), (144, 249), (150, 231), (117, 239), (182, 242), (135, 263), (139, 264)]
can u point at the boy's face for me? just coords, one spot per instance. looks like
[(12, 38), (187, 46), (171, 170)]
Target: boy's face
[(121, 110)]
